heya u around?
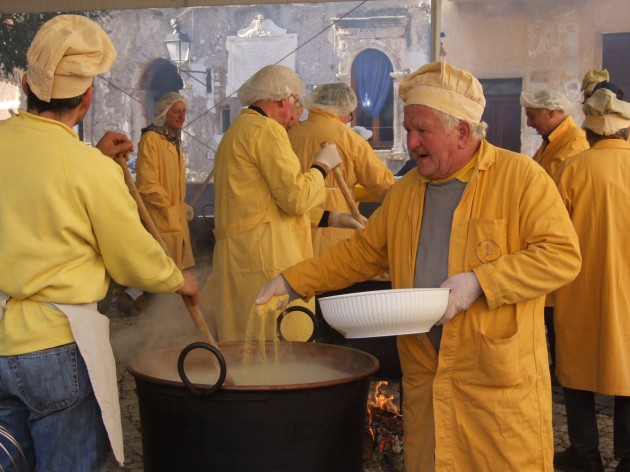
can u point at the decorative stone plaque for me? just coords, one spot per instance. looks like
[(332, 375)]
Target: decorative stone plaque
[(258, 45)]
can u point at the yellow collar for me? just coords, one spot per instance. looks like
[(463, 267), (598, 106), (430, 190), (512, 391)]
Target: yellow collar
[(464, 174)]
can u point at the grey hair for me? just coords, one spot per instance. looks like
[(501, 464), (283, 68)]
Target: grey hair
[(449, 123)]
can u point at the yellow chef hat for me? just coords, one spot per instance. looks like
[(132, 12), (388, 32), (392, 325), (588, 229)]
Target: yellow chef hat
[(66, 54), (605, 114), (592, 78), (440, 86)]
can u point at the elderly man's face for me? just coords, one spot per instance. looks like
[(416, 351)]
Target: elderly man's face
[(295, 117), (175, 117), (541, 120), (434, 150)]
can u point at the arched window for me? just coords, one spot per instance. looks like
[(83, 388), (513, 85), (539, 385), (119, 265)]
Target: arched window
[(372, 82), (159, 77)]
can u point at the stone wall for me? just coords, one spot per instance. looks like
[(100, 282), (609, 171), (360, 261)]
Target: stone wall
[(124, 97)]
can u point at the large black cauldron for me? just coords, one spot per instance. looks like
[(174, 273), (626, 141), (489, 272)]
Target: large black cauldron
[(315, 425)]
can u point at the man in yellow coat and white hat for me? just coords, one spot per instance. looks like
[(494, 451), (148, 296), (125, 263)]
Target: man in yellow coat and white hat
[(330, 108), (488, 224), (592, 316), (262, 200), (161, 176), (58, 383), (548, 112)]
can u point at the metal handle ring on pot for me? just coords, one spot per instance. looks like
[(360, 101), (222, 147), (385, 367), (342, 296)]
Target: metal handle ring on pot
[(203, 210), (182, 374), (308, 312)]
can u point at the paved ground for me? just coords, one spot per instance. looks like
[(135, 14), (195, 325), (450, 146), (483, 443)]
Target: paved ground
[(166, 324)]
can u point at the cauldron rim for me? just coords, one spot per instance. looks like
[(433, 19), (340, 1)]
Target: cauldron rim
[(371, 367)]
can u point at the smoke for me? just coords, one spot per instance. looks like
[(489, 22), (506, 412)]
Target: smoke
[(164, 324)]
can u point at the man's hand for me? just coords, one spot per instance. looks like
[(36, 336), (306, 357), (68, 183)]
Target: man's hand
[(190, 288), (345, 220), (275, 287), (114, 144), (190, 213), (328, 157), (465, 289)]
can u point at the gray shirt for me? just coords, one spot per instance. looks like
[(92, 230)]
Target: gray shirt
[(440, 201)]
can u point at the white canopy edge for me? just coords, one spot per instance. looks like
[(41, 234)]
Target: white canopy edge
[(37, 6)]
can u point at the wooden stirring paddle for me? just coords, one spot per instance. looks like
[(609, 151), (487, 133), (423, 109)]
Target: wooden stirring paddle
[(194, 310)]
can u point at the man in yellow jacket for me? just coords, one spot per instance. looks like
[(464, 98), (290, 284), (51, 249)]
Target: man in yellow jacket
[(547, 112), (330, 108), (593, 312), (161, 176), (58, 383), (262, 200), (488, 224)]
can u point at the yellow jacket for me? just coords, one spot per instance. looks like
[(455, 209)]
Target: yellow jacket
[(360, 165), (486, 405), (161, 181), (261, 222), (592, 313), (565, 141), (67, 222)]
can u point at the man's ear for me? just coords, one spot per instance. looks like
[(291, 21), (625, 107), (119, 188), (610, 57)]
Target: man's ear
[(464, 130), (88, 97), (25, 86)]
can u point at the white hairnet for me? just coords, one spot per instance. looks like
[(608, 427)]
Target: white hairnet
[(548, 99), (163, 106), (337, 98), (273, 82)]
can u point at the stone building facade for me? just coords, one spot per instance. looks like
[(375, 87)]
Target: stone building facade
[(329, 37)]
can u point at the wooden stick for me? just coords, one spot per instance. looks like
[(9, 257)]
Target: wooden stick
[(343, 186), (202, 189), (354, 210), (194, 310)]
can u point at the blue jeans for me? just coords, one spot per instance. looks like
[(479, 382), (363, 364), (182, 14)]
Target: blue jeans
[(48, 406)]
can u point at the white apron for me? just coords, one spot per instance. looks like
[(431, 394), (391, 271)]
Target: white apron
[(91, 333)]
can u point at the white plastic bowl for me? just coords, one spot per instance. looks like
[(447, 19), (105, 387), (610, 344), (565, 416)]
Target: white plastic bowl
[(385, 312)]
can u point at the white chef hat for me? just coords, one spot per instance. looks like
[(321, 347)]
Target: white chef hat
[(592, 78), (440, 86), (65, 55), (605, 114)]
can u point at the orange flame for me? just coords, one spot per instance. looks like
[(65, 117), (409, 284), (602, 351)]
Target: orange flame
[(380, 401)]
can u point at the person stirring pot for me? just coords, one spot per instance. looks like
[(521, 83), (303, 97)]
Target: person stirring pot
[(58, 383)]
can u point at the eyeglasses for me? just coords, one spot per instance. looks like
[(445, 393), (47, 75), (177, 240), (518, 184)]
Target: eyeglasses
[(297, 100), (350, 117)]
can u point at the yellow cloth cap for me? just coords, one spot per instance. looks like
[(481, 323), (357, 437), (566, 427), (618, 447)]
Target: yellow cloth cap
[(440, 86), (66, 54), (592, 78), (605, 114)]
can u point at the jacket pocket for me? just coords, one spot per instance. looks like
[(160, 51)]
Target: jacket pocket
[(168, 219), (497, 362), (487, 241)]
